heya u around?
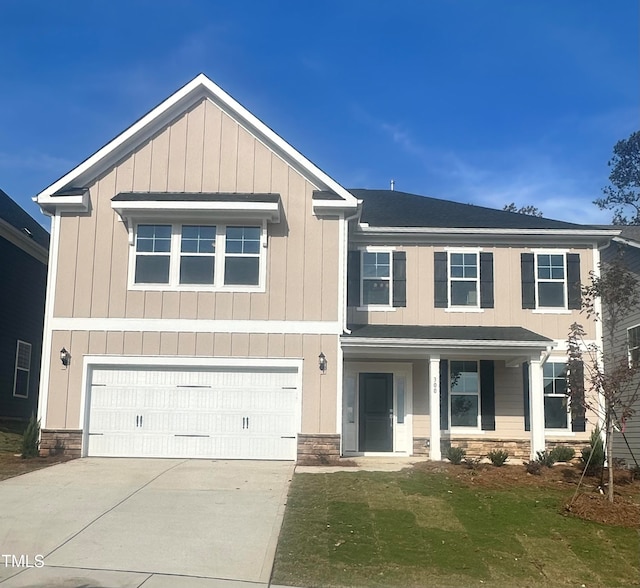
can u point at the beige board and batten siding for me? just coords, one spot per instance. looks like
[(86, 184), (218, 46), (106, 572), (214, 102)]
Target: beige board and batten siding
[(318, 400), (203, 150), (507, 311)]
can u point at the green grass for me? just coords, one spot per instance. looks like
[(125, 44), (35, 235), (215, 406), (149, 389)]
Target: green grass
[(413, 528), (11, 436)]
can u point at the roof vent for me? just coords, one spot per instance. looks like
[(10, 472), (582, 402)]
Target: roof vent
[(28, 232), (393, 184)]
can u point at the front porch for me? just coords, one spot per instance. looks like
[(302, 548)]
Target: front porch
[(415, 391)]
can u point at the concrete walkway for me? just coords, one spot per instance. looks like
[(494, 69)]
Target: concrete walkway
[(123, 523)]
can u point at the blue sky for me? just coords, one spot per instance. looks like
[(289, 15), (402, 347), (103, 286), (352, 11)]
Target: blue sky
[(486, 102)]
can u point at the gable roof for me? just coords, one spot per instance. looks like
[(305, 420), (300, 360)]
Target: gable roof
[(390, 208), (21, 224), (197, 89)]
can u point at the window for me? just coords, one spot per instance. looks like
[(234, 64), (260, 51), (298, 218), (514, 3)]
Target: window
[(551, 280), (464, 395), (153, 246), (23, 370), (555, 396), (188, 256), (197, 254), (376, 278), (463, 279), (633, 344), (242, 256)]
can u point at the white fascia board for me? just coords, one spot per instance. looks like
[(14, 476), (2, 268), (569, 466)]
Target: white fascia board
[(625, 241), (74, 203), (267, 210), (349, 342), (200, 86), (588, 233)]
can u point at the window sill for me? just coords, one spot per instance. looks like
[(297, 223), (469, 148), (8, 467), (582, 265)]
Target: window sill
[(559, 433), (374, 308), (464, 309), (194, 288), (466, 431), (551, 311)]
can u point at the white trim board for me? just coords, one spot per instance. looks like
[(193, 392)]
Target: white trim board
[(196, 326)]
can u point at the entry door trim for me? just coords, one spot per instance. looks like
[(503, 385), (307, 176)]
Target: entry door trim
[(382, 420)]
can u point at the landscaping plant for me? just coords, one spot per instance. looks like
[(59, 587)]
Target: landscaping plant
[(498, 457), (31, 438), (593, 456), (455, 455), (545, 458), (563, 453)]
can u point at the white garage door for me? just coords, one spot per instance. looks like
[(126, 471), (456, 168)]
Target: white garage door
[(224, 413)]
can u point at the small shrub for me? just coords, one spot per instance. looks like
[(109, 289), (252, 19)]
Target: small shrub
[(30, 438), (545, 458), (455, 455), (472, 462), (563, 453), (498, 456), (595, 451), (534, 467)]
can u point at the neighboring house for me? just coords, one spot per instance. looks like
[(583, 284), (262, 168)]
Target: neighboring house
[(627, 444), (214, 294), (24, 248)]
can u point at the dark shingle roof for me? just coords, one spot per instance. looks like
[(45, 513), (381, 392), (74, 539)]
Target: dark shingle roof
[(12, 213), (390, 208), (193, 197), (451, 333)]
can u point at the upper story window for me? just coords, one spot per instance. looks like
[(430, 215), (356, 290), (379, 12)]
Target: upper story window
[(633, 345), (551, 280), (463, 279), (186, 256), (23, 369), (556, 413), (376, 278)]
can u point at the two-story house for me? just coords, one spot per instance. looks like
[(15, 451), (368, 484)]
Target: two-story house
[(23, 253), (214, 294)]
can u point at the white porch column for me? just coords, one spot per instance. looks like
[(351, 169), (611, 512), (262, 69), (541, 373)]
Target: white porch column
[(434, 407), (536, 406)]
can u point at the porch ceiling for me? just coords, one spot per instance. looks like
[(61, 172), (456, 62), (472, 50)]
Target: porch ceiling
[(419, 341)]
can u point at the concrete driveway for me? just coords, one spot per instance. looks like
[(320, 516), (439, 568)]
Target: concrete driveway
[(164, 523)]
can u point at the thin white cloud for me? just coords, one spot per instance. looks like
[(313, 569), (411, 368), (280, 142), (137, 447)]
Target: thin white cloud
[(34, 161)]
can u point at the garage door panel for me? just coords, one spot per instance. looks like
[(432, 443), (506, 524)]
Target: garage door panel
[(222, 413)]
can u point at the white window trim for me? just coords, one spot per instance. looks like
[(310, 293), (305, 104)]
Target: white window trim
[(220, 255), (551, 309), (377, 307), (629, 348), (555, 430), (15, 373), (458, 429), (463, 308)]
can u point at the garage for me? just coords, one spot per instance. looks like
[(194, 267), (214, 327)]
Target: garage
[(223, 412)]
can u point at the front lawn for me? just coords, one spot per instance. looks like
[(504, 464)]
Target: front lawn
[(430, 528)]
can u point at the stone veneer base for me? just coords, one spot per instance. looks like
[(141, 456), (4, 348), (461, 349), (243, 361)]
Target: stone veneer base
[(318, 449), (63, 442)]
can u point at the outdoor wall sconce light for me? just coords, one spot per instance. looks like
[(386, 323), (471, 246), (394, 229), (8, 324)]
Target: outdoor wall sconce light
[(322, 362), (65, 357)]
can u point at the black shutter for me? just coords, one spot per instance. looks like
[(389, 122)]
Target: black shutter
[(574, 290), (528, 280), (578, 420), (444, 395), (486, 280), (487, 396), (441, 279), (353, 278), (525, 393), (399, 278)]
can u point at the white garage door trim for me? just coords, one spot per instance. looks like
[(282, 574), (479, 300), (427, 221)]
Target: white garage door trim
[(215, 365)]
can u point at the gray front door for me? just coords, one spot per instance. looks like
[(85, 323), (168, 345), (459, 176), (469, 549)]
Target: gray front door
[(376, 412)]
